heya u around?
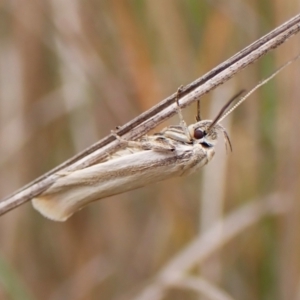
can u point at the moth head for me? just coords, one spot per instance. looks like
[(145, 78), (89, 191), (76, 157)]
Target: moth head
[(205, 134)]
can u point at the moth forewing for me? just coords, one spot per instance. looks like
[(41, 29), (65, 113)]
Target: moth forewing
[(75, 190)]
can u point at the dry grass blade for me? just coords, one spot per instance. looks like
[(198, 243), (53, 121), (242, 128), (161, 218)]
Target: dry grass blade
[(212, 240), (203, 287)]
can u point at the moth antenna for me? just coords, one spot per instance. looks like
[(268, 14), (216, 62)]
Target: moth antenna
[(258, 86), (220, 114)]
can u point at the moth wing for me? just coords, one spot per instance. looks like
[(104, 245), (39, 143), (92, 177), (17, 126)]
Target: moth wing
[(75, 190)]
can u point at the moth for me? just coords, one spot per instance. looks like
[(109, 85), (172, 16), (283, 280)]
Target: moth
[(175, 151)]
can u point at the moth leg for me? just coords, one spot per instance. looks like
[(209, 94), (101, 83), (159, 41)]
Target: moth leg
[(179, 112), (156, 144), (159, 144), (198, 116), (132, 144), (63, 173)]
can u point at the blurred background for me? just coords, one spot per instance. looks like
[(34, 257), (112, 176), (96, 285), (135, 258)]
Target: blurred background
[(70, 71)]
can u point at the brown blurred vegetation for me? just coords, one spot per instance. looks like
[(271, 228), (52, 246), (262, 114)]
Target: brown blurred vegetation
[(70, 71)]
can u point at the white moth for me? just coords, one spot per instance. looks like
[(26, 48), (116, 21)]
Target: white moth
[(175, 151)]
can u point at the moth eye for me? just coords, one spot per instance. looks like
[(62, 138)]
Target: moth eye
[(199, 134)]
